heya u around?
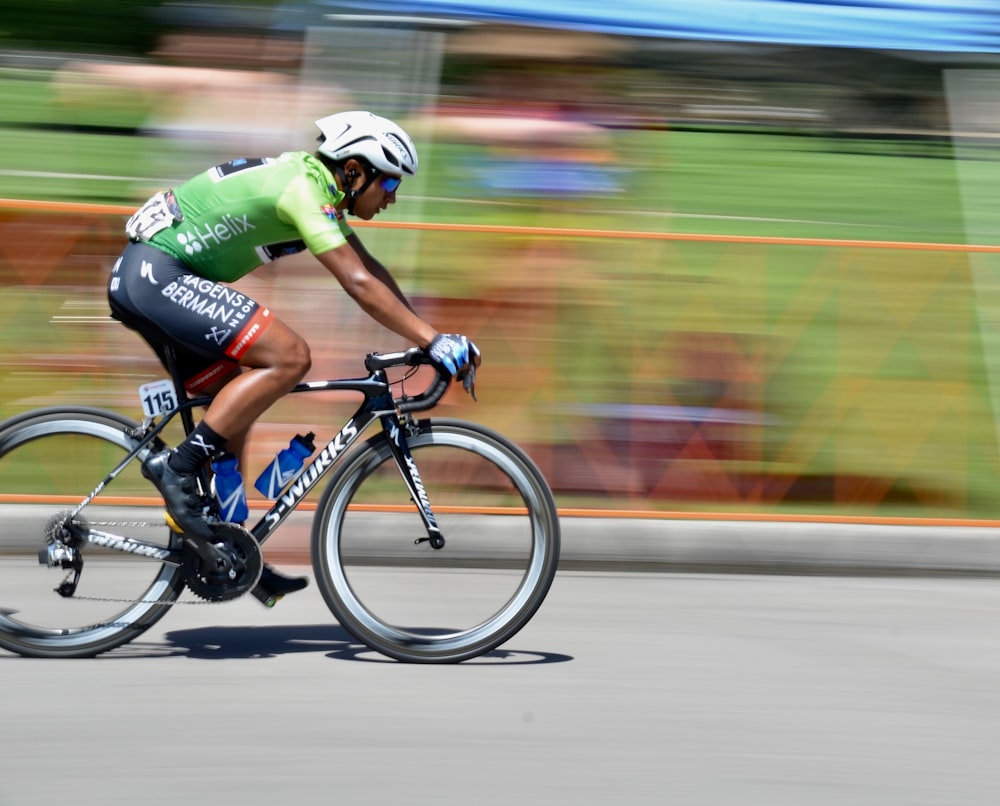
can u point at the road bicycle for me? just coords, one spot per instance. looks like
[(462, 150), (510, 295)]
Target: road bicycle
[(434, 540)]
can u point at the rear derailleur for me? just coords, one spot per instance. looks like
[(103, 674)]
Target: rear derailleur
[(63, 538)]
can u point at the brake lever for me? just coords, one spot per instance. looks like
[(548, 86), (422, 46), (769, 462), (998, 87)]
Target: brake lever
[(469, 382)]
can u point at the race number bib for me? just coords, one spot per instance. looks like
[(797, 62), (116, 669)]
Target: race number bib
[(160, 212), (157, 397)]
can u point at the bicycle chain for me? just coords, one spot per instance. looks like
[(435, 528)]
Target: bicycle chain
[(129, 524), (143, 601), (134, 601), (115, 600)]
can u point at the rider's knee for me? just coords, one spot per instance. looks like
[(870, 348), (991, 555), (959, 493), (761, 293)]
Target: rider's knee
[(297, 358)]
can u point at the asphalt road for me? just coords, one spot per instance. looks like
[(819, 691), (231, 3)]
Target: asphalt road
[(626, 688)]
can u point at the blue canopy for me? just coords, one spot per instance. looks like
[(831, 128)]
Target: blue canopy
[(960, 26)]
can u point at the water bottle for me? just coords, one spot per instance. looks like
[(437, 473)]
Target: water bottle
[(228, 486), (285, 465)]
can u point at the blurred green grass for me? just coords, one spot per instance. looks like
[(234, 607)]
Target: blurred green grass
[(804, 185)]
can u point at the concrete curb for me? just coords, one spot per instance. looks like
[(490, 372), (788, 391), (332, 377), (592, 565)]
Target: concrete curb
[(763, 546), (742, 546)]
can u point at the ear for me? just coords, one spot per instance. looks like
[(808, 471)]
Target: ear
[(353, 171)]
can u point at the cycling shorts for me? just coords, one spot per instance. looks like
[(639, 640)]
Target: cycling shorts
[(209, 325)]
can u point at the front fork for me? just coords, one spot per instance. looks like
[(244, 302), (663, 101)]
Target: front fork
[(396, 429)]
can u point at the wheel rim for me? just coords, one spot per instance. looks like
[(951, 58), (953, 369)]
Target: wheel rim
[(515, 577), (44, 466)]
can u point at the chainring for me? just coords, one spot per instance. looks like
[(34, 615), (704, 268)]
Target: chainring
[(241, 548)]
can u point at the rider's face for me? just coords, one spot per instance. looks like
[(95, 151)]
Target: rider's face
[(374, 200), (378, 193)]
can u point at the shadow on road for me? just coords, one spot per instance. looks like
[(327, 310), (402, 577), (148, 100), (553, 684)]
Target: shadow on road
[(228, 643)]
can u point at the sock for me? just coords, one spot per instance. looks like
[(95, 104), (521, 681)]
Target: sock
[(198, 448)]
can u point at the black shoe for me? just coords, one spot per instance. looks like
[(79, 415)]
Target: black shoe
[(278, 584), (180, 493)]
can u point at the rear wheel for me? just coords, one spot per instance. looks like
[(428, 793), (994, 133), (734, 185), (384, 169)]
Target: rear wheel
[(49, 461), (415, 603)]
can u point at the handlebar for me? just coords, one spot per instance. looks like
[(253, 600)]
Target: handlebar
[(414, 357)]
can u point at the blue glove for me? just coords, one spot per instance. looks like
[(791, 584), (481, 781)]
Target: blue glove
[(453, 353)]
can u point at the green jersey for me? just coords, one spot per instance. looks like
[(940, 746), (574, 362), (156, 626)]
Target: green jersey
[(235, 217)]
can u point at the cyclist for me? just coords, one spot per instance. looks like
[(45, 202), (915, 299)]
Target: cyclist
[(185, 244)]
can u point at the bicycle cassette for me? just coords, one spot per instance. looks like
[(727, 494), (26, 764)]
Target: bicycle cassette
[(239, 569)]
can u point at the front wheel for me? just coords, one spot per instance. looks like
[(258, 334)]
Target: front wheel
[(49, 461), (416, 603)]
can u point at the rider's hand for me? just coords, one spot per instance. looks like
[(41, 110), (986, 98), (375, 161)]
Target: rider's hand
[(457, 356)]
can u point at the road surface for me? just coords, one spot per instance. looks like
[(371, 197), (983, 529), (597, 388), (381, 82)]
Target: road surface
[(627, 688)]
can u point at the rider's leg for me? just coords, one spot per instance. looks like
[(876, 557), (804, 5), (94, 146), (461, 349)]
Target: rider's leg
[(156, 295), (277, 361), (273, 364)]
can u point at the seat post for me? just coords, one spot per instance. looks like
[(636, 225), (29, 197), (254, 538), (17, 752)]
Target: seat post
[(170, 358)]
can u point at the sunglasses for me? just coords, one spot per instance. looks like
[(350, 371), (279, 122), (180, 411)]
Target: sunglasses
[(390, 184)]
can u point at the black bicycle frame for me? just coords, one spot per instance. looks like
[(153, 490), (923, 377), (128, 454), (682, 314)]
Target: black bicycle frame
[(378, 404)]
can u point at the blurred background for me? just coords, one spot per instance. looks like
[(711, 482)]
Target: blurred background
[(748, 249)]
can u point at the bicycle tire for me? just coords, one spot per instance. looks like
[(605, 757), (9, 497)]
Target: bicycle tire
[(501, 528), (50, 459)]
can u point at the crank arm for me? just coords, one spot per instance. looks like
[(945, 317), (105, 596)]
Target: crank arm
[(212, 556)]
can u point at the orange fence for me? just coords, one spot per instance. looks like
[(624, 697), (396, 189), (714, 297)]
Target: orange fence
[(851, 387)]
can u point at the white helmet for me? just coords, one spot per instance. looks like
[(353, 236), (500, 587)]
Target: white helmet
[(362, 135)]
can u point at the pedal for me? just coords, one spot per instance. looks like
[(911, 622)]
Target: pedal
[(265, 597), (174, 526)]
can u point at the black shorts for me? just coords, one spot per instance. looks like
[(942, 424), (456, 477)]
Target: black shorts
[(209, 325)]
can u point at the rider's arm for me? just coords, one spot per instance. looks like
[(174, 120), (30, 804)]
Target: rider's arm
[(380, 300), (377, 269)]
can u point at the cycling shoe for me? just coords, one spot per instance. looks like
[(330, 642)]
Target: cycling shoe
[(180, 493), (278, 584)]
